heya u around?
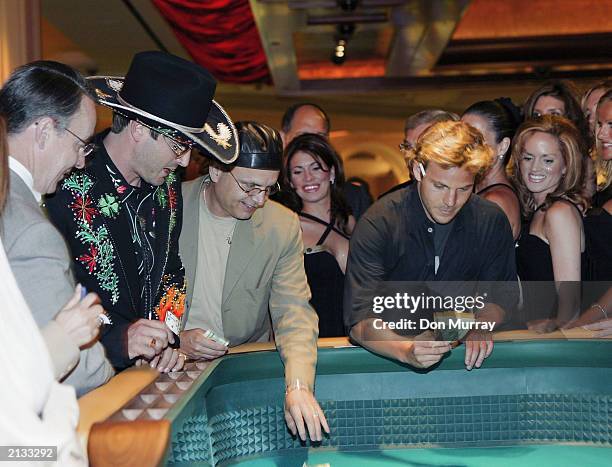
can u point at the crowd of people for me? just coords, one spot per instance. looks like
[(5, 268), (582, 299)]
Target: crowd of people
[(119, 262)]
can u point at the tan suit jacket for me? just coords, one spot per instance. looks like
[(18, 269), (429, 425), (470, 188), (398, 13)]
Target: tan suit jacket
[(264, 280)]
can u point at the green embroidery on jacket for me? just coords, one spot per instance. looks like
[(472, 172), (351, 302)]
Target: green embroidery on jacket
[(105, 258), (79, 183), (160, 196), (100, 259), (109, 205)]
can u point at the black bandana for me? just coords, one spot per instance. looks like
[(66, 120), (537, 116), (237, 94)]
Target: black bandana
[(261, 147)]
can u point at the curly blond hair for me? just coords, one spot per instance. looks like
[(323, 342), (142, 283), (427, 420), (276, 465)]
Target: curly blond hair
[(452, 144)]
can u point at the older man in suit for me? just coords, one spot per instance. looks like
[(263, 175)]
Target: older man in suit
[(50, 116), (244, 265)]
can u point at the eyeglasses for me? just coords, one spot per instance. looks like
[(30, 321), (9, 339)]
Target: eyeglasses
[(85, 148), (178, 149), (254, 191), (405, 146)]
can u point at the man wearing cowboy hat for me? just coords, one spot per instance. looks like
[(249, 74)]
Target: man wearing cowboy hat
[(121, 215), (245, 271)]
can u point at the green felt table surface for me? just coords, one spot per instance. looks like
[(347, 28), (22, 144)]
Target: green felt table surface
[(523, 407)]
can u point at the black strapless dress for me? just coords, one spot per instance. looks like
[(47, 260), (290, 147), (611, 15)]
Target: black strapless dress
[(598, 235), (535, 270), (602, 197)]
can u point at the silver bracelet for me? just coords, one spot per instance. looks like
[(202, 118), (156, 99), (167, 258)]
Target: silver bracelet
[(601, 308), (297, 385)]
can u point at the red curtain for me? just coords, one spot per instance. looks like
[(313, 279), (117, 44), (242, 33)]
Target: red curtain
[(220, 35)]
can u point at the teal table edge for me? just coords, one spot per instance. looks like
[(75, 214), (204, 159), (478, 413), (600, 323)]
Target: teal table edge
[(346, 360)]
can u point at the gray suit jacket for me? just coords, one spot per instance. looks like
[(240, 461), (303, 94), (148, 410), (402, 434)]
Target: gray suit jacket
[(39, 259), (264, 280)]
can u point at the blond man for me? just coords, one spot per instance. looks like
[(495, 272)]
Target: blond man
[(432, 232)]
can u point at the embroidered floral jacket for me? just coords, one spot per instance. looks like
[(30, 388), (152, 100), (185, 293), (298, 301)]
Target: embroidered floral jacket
[(90, 210)]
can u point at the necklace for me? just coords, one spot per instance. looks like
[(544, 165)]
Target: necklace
[(230, 234)]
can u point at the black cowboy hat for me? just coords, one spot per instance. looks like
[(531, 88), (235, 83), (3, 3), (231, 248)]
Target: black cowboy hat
[(174, 97)]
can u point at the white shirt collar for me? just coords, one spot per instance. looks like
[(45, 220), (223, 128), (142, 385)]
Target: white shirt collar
[(25, 175)]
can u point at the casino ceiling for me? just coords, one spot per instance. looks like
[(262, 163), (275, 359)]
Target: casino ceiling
[(326, 46), (369, 63)]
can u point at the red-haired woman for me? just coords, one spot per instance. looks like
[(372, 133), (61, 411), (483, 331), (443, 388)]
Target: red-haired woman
[(548, 159)]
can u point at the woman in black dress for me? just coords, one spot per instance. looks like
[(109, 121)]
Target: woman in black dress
[(598, 229), (497, 120), (547, 156), (598, 223), (313, 177)]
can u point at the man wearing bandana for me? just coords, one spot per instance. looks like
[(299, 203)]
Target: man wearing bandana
[(245, 269), (121, 214)]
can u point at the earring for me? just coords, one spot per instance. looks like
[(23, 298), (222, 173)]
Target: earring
[(332, 181)]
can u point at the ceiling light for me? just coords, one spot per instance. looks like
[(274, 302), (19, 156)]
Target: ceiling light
[(339, 55)]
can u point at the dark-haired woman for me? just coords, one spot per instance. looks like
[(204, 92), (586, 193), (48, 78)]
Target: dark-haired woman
[(547, 154), (497, 121), (313, 175), (555, 98)]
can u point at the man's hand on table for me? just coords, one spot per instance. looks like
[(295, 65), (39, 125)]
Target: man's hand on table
[(478, 346), (302, 412), (543, 326), (198, 347), (422, 353), (147, 338), (169, 360)]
